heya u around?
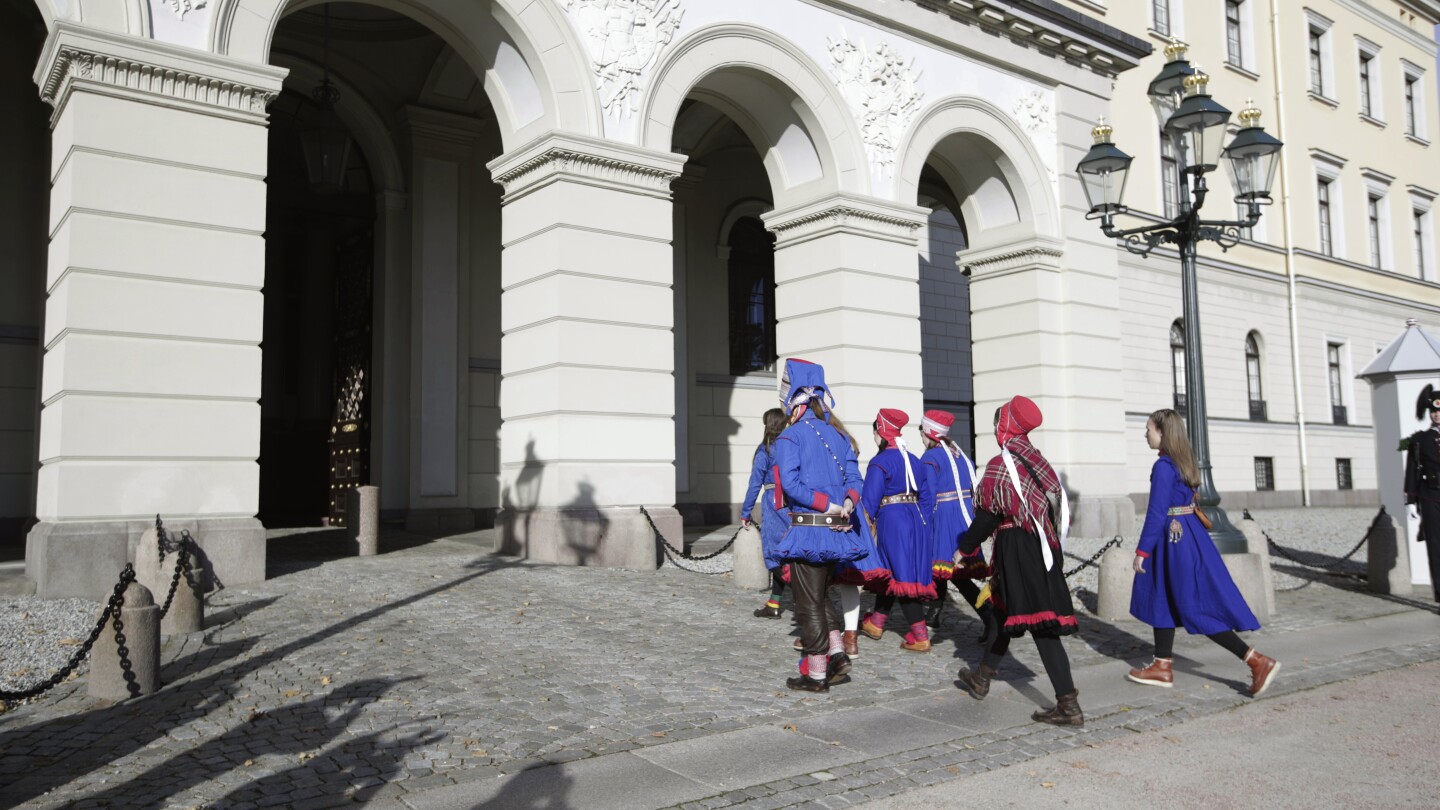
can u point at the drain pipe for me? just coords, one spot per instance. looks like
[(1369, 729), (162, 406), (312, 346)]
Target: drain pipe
[(1289, 245)]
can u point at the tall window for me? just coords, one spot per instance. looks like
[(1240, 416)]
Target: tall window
[(1418, 219), (1322, 199), (1234, 51), (1253, 381), (1343, 478), (1177, 364), (752, 297), (1317, 62), (1264, 473), (1161, 11), (1337, 398), (1169, 177), (1410, 116), (1366, 107), (1372, 213)]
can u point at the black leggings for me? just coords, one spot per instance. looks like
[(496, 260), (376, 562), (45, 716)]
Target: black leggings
[(1052, 655), (777, 585), (965, 585), (1165, 643), (913, 609)]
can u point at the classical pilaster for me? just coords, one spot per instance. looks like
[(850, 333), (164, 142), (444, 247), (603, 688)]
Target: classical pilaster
[(847, 279), (151, 375), (587, 351)]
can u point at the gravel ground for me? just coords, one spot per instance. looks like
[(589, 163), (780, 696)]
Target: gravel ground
[(38, 636)]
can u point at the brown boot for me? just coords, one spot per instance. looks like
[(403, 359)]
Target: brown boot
[(1262, 671), (852, 644), (977, 682), (914, 645), (1157, 674), (871, 630), (1065, 712)]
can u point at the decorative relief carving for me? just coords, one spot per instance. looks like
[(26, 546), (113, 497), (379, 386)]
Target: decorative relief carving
[(1032, 112), (625, 39), (556, 162), (879, 87), (72, 64), (845, 218), (183, 7)]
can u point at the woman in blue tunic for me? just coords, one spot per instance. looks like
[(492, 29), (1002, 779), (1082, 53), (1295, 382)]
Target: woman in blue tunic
[(1180, 579), (819, 478), (952, 477), (898, 496), (774, 518)]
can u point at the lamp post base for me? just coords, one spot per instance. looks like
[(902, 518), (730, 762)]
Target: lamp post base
[(1227, 538)]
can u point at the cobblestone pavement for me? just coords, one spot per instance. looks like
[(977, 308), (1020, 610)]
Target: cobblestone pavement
[(437, 663)]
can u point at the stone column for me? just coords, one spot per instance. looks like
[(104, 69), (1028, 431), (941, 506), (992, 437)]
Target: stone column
[(1052, 333), (587, 352), (847, 295), (151, 375)]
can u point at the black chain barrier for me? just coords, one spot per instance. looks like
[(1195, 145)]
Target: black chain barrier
[(183, 547), (1284, 552), (1117, 540), (671, 550), (112, 611)]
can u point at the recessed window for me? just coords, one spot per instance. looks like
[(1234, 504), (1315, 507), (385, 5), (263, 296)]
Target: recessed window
[(1414, 100), (1234, 36), (1177, 364), (1318, 54), (1317, 63), (1343, 479), (1322, 200), (1372, 215), (1264, 473), (1169, 177), (1366, 106), (1336, 377), (752, 297), (1160, 13), (1421, 222), (1410, 117), (1253, 381)]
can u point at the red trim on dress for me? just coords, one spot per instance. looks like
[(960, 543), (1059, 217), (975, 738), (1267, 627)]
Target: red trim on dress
[(911, 589), (854, 576), (942, 569), (779, 491), (821, 502), (854, 496), (1040, 618), (1139, 553)]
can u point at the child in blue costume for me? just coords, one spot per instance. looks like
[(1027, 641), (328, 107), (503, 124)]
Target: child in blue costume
[(774, 518), (952, 479), (899, 500), (820, 482), (1180, 579)]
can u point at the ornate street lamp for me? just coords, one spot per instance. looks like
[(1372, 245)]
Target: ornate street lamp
[(1195, 124), (326, 141)]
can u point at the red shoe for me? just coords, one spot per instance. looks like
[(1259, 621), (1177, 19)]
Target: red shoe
[(1157, 674)]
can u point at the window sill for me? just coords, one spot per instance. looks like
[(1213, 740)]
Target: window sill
[(1372, 120), (1243, 71), (1416, 139), (1326, 100), (1164, 38)]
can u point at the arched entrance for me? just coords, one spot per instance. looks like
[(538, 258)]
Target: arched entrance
[(24, 196)]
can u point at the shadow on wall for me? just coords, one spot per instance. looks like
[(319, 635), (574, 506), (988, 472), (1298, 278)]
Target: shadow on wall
[(526, 531)]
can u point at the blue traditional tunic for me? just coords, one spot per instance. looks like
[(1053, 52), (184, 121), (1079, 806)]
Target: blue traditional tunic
[(900, 528), (954, 506), (1185, 583), (775, 519), (817, 467)]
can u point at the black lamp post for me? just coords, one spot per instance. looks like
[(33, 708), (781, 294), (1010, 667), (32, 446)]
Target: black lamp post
[(1195, 125)]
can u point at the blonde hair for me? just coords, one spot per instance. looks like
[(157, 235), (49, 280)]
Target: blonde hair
[(829, 416), (1175, 443)]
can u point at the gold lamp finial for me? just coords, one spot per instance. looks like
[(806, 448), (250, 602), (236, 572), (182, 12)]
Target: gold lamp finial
[(1102, 131), (1196, 82), (1250, 116), (1175, 51)]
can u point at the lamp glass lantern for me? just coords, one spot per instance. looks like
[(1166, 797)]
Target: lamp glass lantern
[(1103, 172), (1198, 126), (1252, 159), (326, 142), (1167, 89)]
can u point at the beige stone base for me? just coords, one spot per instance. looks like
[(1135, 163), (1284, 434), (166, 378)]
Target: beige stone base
[(618, 537)]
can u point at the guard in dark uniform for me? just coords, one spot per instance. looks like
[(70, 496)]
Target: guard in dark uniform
[(1422, 479)]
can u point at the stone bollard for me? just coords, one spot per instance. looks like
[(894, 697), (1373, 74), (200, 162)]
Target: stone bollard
[(187, 609), (1255, 544), (750, 571), (1387, 559), (362, 512), (140, 618), (1117, 578)]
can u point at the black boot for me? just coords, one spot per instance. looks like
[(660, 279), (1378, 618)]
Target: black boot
[(1065, 712), (977, 681), (767, 612), (992, 625), (932, 613), (805, 683)]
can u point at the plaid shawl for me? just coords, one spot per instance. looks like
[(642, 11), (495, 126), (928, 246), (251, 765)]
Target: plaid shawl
[(996, 494)]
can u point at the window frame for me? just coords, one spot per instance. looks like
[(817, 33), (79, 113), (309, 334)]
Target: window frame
[(1168, 28), (1320, 56), (1255, 376), (1344, 474), (1370, 73), (1422, 230), (1337, 362), (1178, 389), (1379, 233), (1325, 214), (1413, 101), (1169, 177), (1265, 483)]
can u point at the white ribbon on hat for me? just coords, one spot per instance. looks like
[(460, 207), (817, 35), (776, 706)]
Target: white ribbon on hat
[(1063, 528), (955, 472), (930, 425)]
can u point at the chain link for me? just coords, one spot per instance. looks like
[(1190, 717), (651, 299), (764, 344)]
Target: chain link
[(182, 564), (681, 554), (112, 610), (1117, 540), (1331, 566)]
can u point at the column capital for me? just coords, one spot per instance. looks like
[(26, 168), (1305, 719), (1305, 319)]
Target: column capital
[(850, 214), (593, 161), (77, 57), (1034, 253)]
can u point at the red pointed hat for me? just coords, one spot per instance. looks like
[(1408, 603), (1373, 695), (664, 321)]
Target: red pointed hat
[(936, 424), (888, 423), (1018, 417)]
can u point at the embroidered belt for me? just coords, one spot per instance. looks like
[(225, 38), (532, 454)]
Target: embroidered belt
[(904, 497), (952, 495), (1008, 523), (767, 487), (835, 522), (1181, 510)]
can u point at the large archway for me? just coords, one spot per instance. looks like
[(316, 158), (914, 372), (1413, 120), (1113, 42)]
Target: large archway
[(24, 198)]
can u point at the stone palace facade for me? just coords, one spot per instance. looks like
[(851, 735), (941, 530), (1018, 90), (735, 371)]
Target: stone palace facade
[(532, 262)]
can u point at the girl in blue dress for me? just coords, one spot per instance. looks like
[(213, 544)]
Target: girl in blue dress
[(952, 479), (774, 519), (897, 495), (1180, 579)]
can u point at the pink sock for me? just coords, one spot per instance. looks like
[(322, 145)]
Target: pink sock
[(918, 632), (837, 644), (877, 619), (816, 666)]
